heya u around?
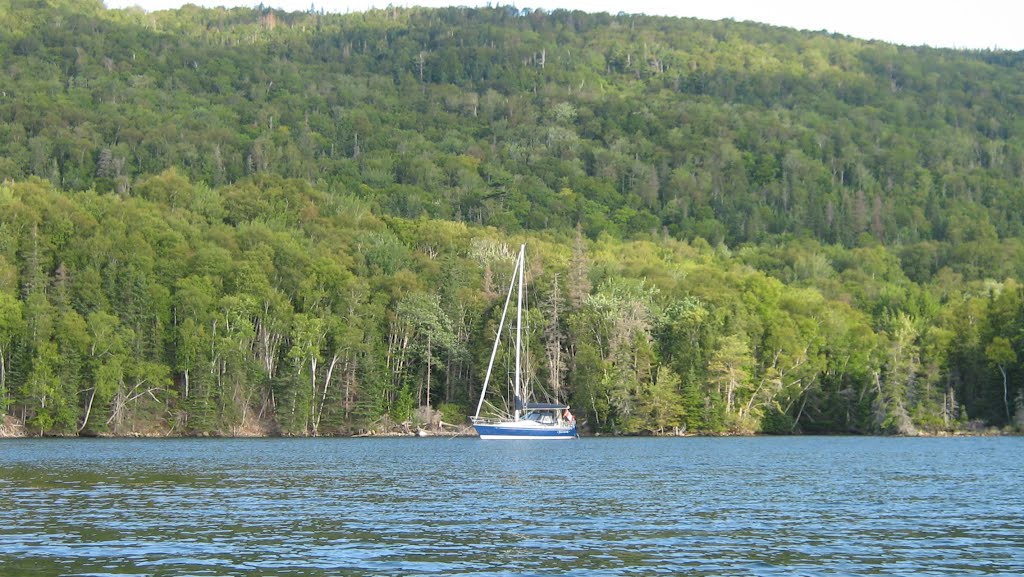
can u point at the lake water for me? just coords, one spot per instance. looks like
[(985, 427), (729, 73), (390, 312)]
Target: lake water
[(437, 506)]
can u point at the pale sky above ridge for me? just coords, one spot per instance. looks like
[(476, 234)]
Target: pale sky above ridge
[(939, 23)]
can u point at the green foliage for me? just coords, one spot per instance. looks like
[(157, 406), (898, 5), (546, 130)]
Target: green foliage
[(452, 413), (404, 406), (248, 221)]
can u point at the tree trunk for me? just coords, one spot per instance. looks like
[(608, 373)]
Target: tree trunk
[(312, 401), (88, 409), (323, 396), (429, 364), (1006, 400), (799, 414), (729, 389), (350, 381)]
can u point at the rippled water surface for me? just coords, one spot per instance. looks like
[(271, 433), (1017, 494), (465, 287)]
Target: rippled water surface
[(693, 506)]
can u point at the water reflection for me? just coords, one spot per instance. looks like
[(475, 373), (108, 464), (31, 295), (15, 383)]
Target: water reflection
[(771, 506)]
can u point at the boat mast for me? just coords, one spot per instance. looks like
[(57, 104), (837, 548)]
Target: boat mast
[(497, 338), (519, 330)]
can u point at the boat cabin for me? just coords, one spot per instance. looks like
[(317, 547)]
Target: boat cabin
[(545, 413)]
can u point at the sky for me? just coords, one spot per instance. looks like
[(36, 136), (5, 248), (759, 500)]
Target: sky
[(939, 23)]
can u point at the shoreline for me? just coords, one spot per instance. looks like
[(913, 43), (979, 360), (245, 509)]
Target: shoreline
[(12, 428), (21, 434)]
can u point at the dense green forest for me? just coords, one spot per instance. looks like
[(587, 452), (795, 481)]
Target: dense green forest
[(249, 221)]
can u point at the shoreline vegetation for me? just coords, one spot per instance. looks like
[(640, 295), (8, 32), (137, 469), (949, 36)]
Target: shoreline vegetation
[(249, 221), (11, 428)]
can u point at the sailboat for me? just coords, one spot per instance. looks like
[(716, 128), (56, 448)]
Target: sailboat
[(526, 420)]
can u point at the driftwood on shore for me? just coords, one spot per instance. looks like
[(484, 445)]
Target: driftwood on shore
[(408, 429), (11, 427)]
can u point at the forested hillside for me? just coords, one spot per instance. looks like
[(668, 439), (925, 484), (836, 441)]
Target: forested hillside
[(235, 221)]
